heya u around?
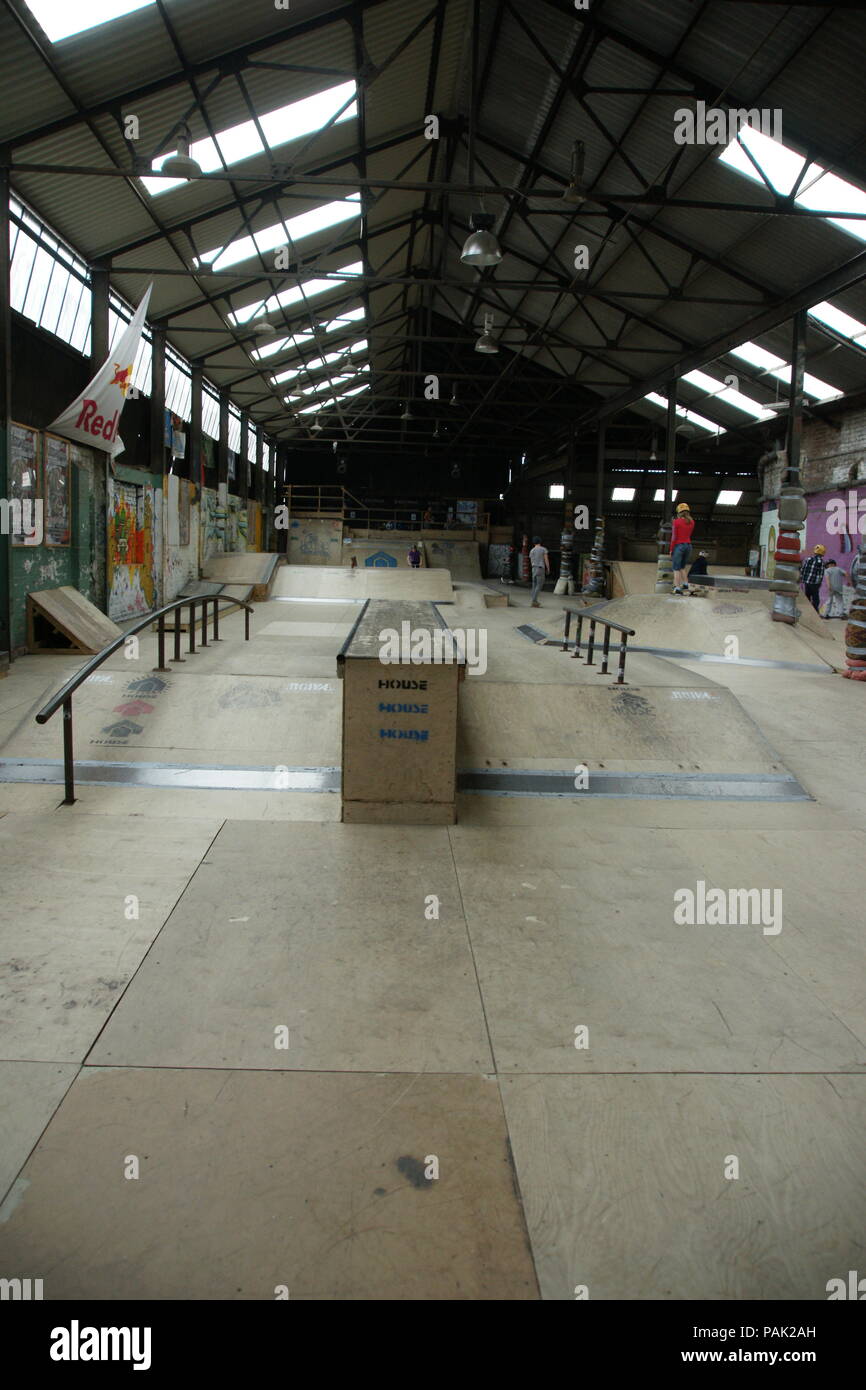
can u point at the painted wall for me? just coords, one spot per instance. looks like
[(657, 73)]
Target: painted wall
[(135, 519), (315, 541), (182, 528), (82, 562)]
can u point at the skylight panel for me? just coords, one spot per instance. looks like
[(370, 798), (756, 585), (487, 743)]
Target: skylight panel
[(840, 322), (323, 405), (299, 339), (659, 495), (61, 20), (691, 415), (294, 230), (780, 369), (728, 499), (818, 189), (622, 494), (308, 289), (242, 141), (319, 362), (734, 398)]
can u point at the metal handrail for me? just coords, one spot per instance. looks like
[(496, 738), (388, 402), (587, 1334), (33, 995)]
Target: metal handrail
[(592, 616), (66, 692)]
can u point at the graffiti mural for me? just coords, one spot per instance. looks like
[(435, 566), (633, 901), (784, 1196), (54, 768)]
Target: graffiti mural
[(132, 550)]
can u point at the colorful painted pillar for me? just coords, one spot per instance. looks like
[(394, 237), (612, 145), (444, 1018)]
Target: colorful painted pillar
[(664, 574), (596, 583), (787, 555), (855, 630), (524, 560), (565, 582)]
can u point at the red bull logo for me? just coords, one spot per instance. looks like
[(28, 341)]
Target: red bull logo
[(92, 423), (122, 378)]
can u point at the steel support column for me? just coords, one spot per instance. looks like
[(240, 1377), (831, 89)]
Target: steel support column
[(5, 417)]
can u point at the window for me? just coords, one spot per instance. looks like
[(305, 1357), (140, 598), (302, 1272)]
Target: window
[(659, 495), (622, 494), (556, 492), (728, 499), (785, 171), (60, 20), (307, 289)]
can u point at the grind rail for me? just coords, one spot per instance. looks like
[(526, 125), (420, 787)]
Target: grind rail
[(65, 694), (587, 615)]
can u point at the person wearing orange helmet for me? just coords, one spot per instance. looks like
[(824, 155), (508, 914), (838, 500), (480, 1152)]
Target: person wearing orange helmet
[(812, 575), (681, 546)]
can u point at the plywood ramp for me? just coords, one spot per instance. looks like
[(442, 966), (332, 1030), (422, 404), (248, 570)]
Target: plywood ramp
[(340, 582), (460, 558), (683, 623), (250, 567), (73, 616), (703, 729)]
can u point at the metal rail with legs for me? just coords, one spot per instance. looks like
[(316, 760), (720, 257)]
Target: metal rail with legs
[(590, 616), (64, 695)]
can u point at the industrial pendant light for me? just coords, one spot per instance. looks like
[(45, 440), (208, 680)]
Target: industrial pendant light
[(487, 343), (407, 414), (481, 247), (181, 165), (317, 425), (454, 400), (575, 191), (263, 329)]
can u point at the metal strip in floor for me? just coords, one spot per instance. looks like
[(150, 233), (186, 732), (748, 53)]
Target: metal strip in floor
[(665, 786), (822, 667)]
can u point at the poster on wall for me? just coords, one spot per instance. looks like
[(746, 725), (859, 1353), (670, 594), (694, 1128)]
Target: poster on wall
[(57, 491), (467, 513), (25, 522)]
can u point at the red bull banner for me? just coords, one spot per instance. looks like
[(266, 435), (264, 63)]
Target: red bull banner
[(94, 417)]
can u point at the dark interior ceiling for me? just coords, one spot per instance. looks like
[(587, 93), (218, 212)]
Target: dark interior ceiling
[(687, 258)]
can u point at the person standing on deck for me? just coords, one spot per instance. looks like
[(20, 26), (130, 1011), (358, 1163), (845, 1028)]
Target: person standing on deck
[(413, 555), (540, 564), (812, 575), (681, 546)]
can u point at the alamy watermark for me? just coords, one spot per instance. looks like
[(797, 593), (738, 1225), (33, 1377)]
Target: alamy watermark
[(443, 646), (22, 520), (714, 126), (735, 907)]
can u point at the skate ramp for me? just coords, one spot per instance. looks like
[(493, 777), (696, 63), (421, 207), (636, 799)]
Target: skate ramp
[(382, 554), (79, 625), (639, 576), (704, 626), (253, 568), (460, 558), (652, 728), (342, 582)]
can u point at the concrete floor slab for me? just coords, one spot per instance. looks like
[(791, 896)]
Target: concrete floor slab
[(30, 1092), (250, 1181), (623, 1180), (69, 944), (331, 942)]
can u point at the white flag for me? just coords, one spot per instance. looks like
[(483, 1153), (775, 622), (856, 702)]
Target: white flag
[(94, 416)]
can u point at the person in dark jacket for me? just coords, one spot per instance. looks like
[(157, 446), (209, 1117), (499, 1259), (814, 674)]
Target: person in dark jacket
[(812, 575), (699, 566)]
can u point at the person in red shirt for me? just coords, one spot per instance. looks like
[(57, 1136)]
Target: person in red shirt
[(681, 546)]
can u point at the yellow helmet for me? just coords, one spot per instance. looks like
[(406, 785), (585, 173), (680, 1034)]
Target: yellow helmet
[(820, 550), (683, 507)]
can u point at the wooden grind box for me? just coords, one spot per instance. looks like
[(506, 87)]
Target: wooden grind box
[(400, 716)]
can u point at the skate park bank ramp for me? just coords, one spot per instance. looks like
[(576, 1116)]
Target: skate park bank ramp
[(248, 568), (722, 627), (460, 558), (381, 553), (333, 582)]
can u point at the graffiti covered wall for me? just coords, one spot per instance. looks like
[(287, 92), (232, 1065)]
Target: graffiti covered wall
[(315, 541), (134, 545)]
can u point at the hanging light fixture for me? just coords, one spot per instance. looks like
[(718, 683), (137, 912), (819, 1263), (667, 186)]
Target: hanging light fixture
[(481, 247), (575, 191), (407, 414), (487, 343), (317, 425), (454, 400), (182, 165), (264, 330)]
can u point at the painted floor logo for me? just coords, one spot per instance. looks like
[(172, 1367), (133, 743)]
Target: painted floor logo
[(736, 907), (439, 647), (77, 1343)]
